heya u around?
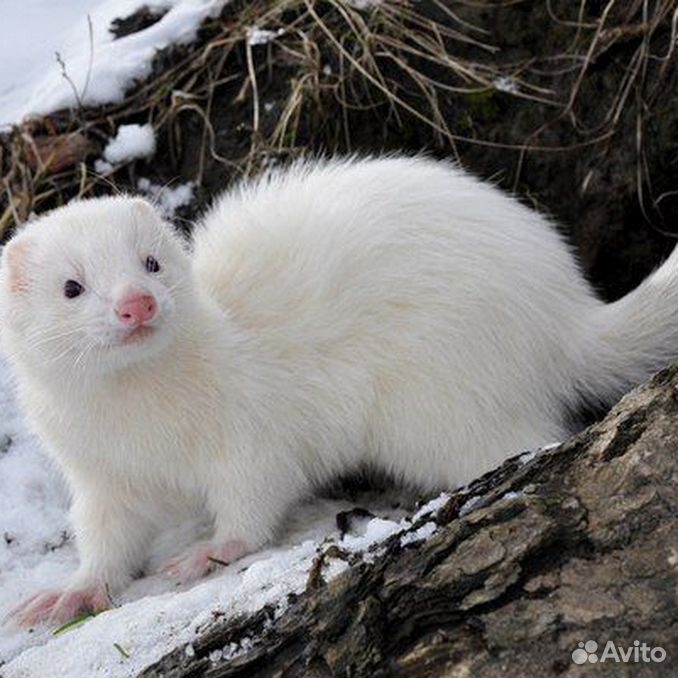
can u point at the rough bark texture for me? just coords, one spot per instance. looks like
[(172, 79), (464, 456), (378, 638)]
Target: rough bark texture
[(575, 544)]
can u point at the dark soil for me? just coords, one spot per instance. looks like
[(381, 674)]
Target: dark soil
[(142, 19)]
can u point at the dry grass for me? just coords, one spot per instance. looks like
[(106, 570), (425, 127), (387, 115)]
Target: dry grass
[(406, 63)]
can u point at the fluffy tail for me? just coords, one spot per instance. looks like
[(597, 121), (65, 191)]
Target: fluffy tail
[(634, 336)]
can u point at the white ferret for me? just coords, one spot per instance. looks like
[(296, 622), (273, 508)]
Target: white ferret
[(392, 312)]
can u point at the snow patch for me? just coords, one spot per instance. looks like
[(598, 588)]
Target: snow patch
[(377, 530), (421, 533), (130, 142), (432, 506), (167, 198), (93, 67), (550, 446), (364, 4), (233, 650), (505, 84), (510, 496), (528, 456), (471, 505), (261, 36)]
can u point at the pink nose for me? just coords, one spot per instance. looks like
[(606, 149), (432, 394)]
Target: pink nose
[(136, 309)]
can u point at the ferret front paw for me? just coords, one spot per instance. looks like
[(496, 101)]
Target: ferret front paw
[(59, 607), (202, 559)]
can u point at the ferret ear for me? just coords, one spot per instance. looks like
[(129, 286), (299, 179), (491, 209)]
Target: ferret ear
[(15, 263), (143, 209)]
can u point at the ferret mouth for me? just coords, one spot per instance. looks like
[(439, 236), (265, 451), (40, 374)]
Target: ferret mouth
[(138, 334)]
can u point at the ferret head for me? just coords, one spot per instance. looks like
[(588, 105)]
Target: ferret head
[(95, 286)]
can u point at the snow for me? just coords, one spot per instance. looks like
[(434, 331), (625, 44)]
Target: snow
[(550, 446), (151, 625), (432, 506), (471, 505), (95, 68), (421, 533), (33, 30), (377, 530), (364, 4), (504, 84), (129, 143), (167, 198), (103, 167), (261, 36), (527, 457), (510, 496)]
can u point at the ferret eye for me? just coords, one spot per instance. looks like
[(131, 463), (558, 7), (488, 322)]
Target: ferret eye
[(152, 265), (72, 289)]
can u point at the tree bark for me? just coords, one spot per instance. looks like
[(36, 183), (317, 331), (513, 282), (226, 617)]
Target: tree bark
[(577, 543)]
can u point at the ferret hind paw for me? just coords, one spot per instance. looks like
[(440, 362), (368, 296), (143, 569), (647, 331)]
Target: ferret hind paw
[(202, 559)]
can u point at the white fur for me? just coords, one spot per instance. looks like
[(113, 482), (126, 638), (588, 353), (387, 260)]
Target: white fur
[(392, 312)]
